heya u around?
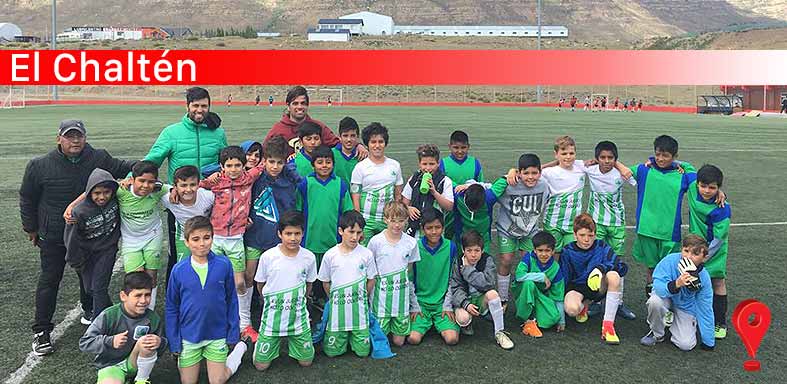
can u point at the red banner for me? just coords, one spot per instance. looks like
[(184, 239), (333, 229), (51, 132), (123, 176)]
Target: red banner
[(391, 67)]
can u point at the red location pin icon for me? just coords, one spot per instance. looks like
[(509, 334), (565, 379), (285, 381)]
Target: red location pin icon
[(751, 332)]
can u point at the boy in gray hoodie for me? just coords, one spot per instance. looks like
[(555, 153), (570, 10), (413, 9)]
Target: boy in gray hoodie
[(92, 242), (472, 285), (126, 336)]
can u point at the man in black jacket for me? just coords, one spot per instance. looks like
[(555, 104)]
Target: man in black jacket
[(50, 183)]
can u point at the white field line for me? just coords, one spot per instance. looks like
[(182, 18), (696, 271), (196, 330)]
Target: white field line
[(32, 359)]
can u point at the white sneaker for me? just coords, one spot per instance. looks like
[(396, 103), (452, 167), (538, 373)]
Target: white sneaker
[(502, 339)]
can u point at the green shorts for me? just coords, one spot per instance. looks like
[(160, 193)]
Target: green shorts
[(649, 251), (507, 244), (253, 253), (372, 228), (233, 249), (613, 235), (181, 249), (478, 301), (212, 350), (717, 267), (399, 326), (147, 255), (432, 316), (300, 347), (562, 237), (119, 372), (335, 343)]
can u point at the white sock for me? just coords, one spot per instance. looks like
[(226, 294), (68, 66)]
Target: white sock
[(235, 357), (502, 286), (496, 309), (152, 305), (145, 366), (611, 306), (244, 312)]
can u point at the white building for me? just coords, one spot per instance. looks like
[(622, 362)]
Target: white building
[(353, 25), (314, 34), (482, 30), (8, 31), (373, 23), (100, 33)]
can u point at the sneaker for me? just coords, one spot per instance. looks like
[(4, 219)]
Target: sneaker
[(502, 339), (608, 333), (650, 339), (720, 332), (530, 328), (583, 315), (668, 319), (595, 309), (249, 333), (468, 330), (625, 312), (86, 319), (42, 344), (141, 381)]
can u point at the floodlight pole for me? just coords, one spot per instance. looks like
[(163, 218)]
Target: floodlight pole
[(54, 40), (538, 42)]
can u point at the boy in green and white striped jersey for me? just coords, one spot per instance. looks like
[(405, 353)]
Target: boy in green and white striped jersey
[(284, 278), (606, 197), (393, 298), (347, 272), (566, 184), (375, 181)]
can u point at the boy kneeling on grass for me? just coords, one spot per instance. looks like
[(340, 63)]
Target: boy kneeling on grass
[(125, 337), (593, 272), (472, 283), (682, 285)]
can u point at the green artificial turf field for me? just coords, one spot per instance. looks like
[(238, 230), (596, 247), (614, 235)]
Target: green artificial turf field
[(751, 152)]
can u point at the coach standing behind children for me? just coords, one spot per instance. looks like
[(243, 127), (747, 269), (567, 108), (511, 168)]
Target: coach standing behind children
[(195, 140), (50, 183), (298, 112)]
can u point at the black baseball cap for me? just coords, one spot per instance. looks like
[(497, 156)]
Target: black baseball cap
[(68, 125)]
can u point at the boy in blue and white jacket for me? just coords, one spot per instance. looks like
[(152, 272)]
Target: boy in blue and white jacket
[(681, 284), (202, 309)]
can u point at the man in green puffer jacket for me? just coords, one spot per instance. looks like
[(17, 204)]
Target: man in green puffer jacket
[(195, 140)]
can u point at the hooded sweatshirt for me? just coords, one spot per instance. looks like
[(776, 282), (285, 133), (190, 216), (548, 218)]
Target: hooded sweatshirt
[(270, 197), (289, 129), (98, 228)]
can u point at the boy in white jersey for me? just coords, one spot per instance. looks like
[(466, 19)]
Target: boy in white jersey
[(394, 254), (566, 184), (375, 181), (347, 272), (186, 200), (606, 208), (284, 278)]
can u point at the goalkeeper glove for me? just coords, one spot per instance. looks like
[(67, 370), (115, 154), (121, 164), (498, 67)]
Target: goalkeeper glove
[(594, 279)]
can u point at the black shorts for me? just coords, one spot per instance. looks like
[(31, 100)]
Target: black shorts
[(585, 291)]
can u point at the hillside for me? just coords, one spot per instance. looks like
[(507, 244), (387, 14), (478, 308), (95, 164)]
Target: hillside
[(625, 20)]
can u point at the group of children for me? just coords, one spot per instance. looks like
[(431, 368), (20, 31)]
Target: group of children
[(392, 257)]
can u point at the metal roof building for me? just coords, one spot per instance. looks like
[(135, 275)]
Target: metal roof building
[(314, 34)]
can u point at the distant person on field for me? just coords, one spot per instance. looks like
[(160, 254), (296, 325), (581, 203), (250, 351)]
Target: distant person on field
[(49, 184), (270, 101), (257, 101)]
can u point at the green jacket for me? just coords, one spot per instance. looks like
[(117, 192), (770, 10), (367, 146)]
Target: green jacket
[(186, 143)]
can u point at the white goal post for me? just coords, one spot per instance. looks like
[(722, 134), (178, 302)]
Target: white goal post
[(15, 98), (320, 95)]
